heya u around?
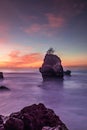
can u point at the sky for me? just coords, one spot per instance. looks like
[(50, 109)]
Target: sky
[(28, 28)]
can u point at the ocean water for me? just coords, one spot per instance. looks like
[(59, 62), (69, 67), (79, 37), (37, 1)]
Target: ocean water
[(68, 97)]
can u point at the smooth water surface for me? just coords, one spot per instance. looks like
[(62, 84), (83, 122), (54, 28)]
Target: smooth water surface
[(68, 97)]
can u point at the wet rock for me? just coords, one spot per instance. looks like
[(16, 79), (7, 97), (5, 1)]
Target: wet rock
[(4, 88), (37, 116), (34, 117), (1, 75), (1, 123), (1, 119), (14, 124), (2, 128), (53, 128), (16, 115)]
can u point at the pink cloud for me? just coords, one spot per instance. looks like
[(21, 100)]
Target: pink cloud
[(33, 28), (14, 55), (34, 57), (47, 28), (55, 21), (27, 60)]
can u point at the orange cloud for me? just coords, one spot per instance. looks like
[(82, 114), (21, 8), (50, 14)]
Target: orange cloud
[(17, 60), (14, 55)]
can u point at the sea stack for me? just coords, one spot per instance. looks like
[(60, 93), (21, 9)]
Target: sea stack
[(51, 66), (34, 117)]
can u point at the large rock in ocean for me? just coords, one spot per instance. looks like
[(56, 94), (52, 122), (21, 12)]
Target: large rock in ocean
[(51, 66), (34, 117)]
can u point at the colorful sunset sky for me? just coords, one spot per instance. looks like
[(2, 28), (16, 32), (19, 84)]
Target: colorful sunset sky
[(28, 28)]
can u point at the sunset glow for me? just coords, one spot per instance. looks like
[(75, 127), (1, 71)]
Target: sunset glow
[(28, 29)]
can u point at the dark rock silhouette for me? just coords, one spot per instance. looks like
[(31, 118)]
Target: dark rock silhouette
[(1, 120), (1, 123), (3, 88), (14, 124), (34, 117), (51, 66), (1, 75), (67, 72)]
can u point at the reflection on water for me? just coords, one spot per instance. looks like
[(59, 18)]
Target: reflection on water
[(52, 84)]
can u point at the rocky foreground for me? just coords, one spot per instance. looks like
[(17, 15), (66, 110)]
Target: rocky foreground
[(34, 117)]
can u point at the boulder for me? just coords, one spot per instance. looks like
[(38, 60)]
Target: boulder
[(3, 88), (1, 119), (1, 75), (1, 123), (14, 124), (34, 117)]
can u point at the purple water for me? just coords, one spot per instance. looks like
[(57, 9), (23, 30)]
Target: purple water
[(68, 98)]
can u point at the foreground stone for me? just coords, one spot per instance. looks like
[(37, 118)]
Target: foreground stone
[(53, 128), (34, 117)]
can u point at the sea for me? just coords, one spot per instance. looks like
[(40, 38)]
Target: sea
[(67, 97)]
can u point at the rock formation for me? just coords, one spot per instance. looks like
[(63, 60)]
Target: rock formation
[(67, 72), (51, 66), (1, 75), (2, 88), (34, 117)]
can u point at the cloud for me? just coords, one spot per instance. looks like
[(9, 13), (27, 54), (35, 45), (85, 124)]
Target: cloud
[(14, 55), (34, 28), (17, 60), (55, 21), (52, 17)]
